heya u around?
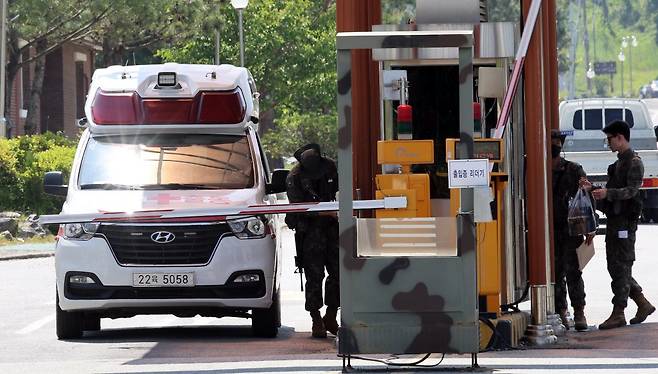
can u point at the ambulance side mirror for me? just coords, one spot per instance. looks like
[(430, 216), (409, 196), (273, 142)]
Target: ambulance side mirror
[(82, 122), (655, 131), (278, 183), (53, 183)]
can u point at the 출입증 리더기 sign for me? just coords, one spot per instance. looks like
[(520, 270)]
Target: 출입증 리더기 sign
[(468, 173)]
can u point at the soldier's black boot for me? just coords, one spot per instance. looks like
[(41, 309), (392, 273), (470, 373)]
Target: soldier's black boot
[(329, 320), (644, 309), (580, 322), (317, 330), (563, 316), (616, 319)]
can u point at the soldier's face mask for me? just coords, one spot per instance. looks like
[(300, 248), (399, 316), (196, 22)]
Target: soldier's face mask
[(555, 150)]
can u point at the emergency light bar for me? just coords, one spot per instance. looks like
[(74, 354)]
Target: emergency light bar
[(220, 213), (207, 107), (167, 79)]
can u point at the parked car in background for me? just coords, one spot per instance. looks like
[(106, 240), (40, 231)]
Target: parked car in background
[(649, 90)]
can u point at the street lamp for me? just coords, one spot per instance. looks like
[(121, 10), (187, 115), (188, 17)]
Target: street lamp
[(626, 42), (621, 58), (218, 41), (240, 5), (590, 75)]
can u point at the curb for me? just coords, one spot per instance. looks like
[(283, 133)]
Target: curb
[(26, 256)]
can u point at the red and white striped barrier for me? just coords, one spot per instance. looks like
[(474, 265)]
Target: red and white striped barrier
[(217, 214)]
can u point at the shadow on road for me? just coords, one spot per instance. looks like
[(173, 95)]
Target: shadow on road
[(196, 344)]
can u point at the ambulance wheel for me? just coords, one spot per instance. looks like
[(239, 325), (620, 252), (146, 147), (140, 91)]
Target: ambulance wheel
[(91, 322), (265, 322), (69, 324)]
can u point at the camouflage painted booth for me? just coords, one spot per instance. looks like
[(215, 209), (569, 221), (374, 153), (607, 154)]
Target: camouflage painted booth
[(407, 296)]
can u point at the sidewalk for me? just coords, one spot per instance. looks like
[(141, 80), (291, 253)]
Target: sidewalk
[(25, 251)]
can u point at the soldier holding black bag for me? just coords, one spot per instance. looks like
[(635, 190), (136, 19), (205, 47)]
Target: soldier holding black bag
[(568, 235), (315, 178)]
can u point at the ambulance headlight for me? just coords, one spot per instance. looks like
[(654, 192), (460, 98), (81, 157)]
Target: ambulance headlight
[(80, 231), (248, 228)]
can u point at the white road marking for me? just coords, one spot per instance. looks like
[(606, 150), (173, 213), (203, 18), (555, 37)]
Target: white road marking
[(34, 326)]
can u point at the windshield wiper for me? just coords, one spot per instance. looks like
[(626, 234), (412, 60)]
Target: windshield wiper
[(108, 186), (178, 186)]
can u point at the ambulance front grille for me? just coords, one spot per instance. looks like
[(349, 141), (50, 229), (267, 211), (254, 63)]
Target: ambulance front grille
[(190, 245)]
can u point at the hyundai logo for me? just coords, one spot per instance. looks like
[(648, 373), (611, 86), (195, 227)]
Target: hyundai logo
[(163, 237)]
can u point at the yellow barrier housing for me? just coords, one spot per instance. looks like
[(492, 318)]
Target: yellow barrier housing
[(416, 187), (490, 236)]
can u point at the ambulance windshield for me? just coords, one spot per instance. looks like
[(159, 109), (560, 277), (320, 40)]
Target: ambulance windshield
[(167, 161)]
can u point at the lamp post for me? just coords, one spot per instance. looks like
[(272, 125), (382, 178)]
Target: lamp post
[(3, 61), (218, 41), (621, 58), (629, 42), (590, 75), (240, 5)]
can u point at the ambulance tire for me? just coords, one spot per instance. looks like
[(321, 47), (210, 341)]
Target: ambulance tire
[(69, 324), (91, 322), (265, 322)]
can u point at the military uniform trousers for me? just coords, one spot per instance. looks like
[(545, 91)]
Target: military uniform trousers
[(620, 255), (567, 276), (320, 253)]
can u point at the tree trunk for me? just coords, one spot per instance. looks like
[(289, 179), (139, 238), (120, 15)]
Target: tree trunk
[(12, 68), (573, 31), (586, 43), (112, 53), (34, 107)]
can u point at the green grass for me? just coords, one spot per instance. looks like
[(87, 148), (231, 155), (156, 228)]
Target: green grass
[(35, 240)]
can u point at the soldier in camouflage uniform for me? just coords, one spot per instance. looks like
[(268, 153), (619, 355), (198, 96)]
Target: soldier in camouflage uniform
[(621, 202), (315, 178), (566, 175)]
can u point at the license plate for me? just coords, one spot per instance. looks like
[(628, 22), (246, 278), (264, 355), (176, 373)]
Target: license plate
[(163, 279)]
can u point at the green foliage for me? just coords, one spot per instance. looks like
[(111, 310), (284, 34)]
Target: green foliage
[(398, 11), (8, 176), (134, 29), (23, 162), (295, 129), (504, 10), (628, 16)]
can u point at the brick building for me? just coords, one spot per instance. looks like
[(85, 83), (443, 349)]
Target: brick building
[(66, 81)]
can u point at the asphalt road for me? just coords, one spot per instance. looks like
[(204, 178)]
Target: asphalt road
[(158, 344)]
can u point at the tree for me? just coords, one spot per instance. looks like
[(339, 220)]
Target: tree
[(134, 26), (504, 10), (398, 11), (629, 15), (45, 25), (652, 9), (290, 50)]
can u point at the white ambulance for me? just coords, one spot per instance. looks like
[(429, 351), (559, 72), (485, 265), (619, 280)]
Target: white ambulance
[(161, 138)]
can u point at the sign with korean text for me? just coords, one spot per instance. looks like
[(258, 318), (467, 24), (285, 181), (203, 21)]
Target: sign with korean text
[(468, 173), (606, 67)]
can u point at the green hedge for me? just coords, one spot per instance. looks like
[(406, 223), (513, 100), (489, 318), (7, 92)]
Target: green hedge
[(23, 162)]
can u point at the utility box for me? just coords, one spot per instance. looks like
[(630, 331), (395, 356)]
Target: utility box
[(408, 285)]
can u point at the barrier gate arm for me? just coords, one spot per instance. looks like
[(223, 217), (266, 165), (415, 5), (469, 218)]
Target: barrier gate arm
[(393, 202), (521, 53)]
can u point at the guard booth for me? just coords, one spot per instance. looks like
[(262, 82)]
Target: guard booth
[(400, 292)]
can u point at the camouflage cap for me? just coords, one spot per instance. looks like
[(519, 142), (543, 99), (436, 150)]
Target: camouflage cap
[(300, 150), (557, 134)]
